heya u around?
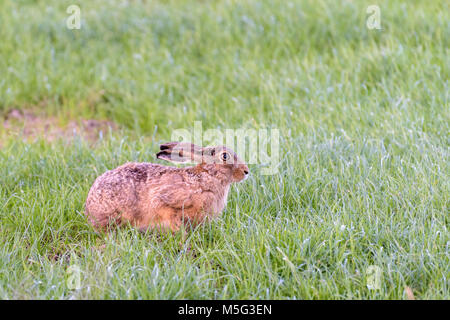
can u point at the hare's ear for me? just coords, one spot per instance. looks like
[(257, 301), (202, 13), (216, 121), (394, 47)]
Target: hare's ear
[(180, 152)]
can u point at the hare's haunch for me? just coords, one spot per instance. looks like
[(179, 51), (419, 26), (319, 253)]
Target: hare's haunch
[(149, 195)]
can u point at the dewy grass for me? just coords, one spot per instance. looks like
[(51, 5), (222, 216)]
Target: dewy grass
[(362, 189)]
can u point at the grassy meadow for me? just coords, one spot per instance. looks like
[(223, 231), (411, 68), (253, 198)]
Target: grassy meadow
[(363, 179)]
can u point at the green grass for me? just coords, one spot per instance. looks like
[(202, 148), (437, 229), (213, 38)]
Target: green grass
[(364, 172)]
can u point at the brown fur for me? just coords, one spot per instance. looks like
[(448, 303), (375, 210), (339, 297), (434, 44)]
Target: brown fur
[(149, 195)]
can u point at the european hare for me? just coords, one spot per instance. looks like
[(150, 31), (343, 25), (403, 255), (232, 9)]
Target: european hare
[(149, 195)]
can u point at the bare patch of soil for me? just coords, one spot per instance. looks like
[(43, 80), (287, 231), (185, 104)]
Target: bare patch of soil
[(31, 126)]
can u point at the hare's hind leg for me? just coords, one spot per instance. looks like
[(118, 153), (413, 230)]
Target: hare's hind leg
[(103, 220), (111, 206)]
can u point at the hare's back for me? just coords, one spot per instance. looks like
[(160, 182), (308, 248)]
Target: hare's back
[(121, 182), (130, 174)]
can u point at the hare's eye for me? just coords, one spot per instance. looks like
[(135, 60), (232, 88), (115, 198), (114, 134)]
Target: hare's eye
[(225, 156)]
